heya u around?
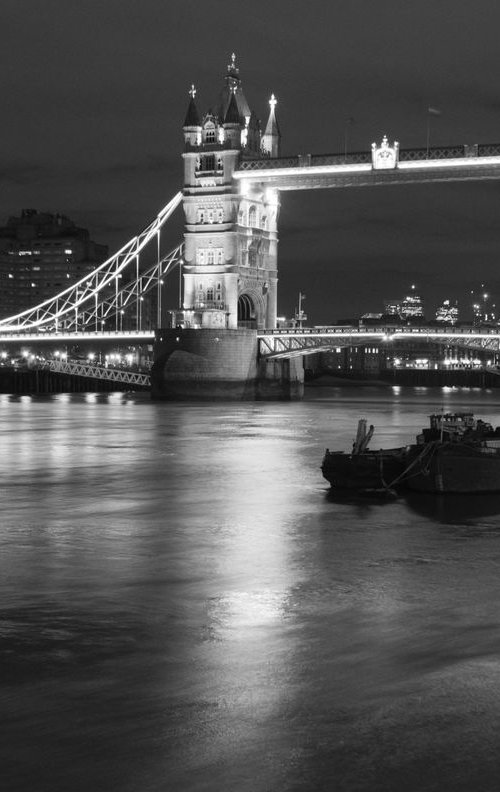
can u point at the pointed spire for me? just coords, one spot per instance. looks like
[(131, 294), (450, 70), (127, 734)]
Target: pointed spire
[(232, 113), (192, 115), (272, 135), (232, 68), (233, 85)]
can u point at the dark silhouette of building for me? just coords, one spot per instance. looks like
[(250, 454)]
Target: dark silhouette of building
[(42, 254)]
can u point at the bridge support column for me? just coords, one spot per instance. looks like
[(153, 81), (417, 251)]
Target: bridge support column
[(280, 379), (220, 365)]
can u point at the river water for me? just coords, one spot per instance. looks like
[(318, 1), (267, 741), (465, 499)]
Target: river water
[(185, 607)]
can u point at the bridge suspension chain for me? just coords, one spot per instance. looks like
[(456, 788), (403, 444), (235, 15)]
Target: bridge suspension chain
[(97, 294)]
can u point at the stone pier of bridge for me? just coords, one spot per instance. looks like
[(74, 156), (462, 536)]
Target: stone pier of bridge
[(210, 364)]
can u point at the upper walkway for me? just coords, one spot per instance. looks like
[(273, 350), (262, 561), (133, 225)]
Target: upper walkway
[(309, 171)]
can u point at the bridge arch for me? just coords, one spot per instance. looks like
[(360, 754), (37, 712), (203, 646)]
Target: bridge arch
[(251, 310), (246, 311)]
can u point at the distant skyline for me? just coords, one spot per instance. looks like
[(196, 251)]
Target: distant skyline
[(95, 94)]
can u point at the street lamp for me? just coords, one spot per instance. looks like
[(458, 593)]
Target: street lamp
[(300, 315)]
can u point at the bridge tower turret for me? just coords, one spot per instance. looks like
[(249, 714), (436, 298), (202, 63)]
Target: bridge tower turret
[(230, 270), (271, 139)]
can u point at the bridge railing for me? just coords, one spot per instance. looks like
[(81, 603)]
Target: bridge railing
[(365, 157), (380, 330)]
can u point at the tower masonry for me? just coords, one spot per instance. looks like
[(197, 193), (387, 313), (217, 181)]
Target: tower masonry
[(231, 240)]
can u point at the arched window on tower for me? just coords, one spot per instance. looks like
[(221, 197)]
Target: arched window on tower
[(210, 257), (210, 294), (252, 217), (209, 132), (220, 216), (207, 163), (219, 256)]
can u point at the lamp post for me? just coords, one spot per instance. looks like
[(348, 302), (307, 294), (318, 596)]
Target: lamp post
[(300, 315)]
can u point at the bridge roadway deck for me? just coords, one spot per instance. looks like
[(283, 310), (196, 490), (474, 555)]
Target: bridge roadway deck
[(62, 337), (287, 342)]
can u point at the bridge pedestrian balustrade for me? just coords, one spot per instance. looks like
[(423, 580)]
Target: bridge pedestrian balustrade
[(287, 343), (365, 157), (309, 171)]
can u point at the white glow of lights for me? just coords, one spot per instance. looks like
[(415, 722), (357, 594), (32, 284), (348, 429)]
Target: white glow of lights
[(459, 162)]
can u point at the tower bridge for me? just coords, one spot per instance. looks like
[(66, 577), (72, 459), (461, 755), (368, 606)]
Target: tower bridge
[(221, 338)]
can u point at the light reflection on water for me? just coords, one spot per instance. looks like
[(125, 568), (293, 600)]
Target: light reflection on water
[(186, 607)]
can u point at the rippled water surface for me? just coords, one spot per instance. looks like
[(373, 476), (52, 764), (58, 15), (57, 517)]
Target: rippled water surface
[(185, 607)]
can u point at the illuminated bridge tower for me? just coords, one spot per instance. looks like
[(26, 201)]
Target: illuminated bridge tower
[(230, 261), (230, 271)]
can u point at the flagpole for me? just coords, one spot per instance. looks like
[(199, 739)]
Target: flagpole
[(431, 111)]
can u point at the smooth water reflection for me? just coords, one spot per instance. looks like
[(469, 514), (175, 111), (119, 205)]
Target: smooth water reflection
[(185, 606)]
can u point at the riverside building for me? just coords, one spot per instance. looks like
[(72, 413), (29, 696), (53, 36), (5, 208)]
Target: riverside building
[(42, 254)]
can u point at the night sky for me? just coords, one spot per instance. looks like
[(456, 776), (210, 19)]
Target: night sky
[(94, 95)]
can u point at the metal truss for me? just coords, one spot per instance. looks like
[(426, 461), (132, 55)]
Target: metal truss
[(294, 342), (98, 294), (132, 293), (99, 372)]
